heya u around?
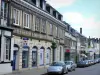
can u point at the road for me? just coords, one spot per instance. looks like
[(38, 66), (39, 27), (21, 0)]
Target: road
[(92, 70)]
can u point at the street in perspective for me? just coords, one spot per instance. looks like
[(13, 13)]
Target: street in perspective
[(49, 37)]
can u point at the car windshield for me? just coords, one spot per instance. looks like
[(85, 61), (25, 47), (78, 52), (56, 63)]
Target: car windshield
[(67, 63), (56, 64)]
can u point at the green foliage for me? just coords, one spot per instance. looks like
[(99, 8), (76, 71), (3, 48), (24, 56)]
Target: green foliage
[(53, 46)]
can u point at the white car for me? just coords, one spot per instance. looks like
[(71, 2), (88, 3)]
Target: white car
[(71, 65), (57, 68)]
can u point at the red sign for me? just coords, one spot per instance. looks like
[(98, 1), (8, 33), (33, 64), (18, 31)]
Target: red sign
[(67, 50)]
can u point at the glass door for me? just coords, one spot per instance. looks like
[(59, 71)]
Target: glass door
[(24, 59)]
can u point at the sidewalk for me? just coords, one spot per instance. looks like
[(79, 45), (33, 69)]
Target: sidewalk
[(40, 71)]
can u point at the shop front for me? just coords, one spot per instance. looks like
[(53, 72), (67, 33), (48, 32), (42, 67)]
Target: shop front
[(48, 56), (15, 57), (67, 54), (41, 56), (25, 57), (34, 56), (5, 50)]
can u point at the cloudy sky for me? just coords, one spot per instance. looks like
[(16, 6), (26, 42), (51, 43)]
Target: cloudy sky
[(80, 13)]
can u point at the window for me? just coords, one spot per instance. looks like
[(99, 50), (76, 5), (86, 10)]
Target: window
[(26, 20), (37, 24), (62, 33), (4, 9), (56, 31), (43, 26), (51, 29), (7, 49), (16, 16)]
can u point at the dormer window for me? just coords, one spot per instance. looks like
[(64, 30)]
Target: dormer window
[(41, 3), (48, 8), (54, 13), (34, 1), (59, 17)]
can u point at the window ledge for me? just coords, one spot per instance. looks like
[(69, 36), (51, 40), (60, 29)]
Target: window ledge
[(43, 33), (50, 35), (37, 31), (16, 25), (27, 28)]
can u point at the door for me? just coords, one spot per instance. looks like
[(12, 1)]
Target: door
[(48, 56), (34, 57), (24, 59), (41, 56), (14, 60)]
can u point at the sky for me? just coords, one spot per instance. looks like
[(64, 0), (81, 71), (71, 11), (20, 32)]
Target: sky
[(80, 13)]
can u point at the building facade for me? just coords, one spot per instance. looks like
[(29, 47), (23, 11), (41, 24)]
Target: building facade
[(36, 24), (93, 48), (70, 43), (5, 40)]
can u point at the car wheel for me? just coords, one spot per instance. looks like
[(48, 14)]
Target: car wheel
[(67, 71), (71, 70), (62, 72), (74, 69)]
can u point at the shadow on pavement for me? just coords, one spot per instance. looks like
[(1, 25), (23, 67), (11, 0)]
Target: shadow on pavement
[(45, 74)]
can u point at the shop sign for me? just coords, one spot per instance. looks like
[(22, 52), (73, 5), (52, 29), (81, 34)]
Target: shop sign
[(67, 50)]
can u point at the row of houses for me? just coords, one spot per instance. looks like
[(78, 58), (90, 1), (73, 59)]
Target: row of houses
[(27, 30)]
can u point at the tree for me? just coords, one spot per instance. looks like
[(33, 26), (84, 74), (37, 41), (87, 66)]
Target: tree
[(53, 46)]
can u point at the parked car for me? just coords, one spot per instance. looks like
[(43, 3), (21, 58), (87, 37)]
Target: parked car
[(57, 68), (83, 64), (97, 60), (71, 65)]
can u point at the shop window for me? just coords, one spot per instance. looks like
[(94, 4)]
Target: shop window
[(16, 16), (25, 59), (7, 49), (34, 56)]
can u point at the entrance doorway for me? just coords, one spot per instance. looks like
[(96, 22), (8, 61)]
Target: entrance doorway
[(25, 57), (41, 56), (15, 57), (34, 56)]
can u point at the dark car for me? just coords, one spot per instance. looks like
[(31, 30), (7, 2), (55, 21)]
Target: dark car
[(82, 64)]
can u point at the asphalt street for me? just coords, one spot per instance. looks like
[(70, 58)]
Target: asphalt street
[(91, 70)]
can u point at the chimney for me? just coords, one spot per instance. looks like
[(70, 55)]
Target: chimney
[(81, 30)]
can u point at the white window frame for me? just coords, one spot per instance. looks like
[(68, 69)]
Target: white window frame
[(51, 28), (37, 24), (16, 12), (5, 52), (27, 20), (43, 26), (56, 31)]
